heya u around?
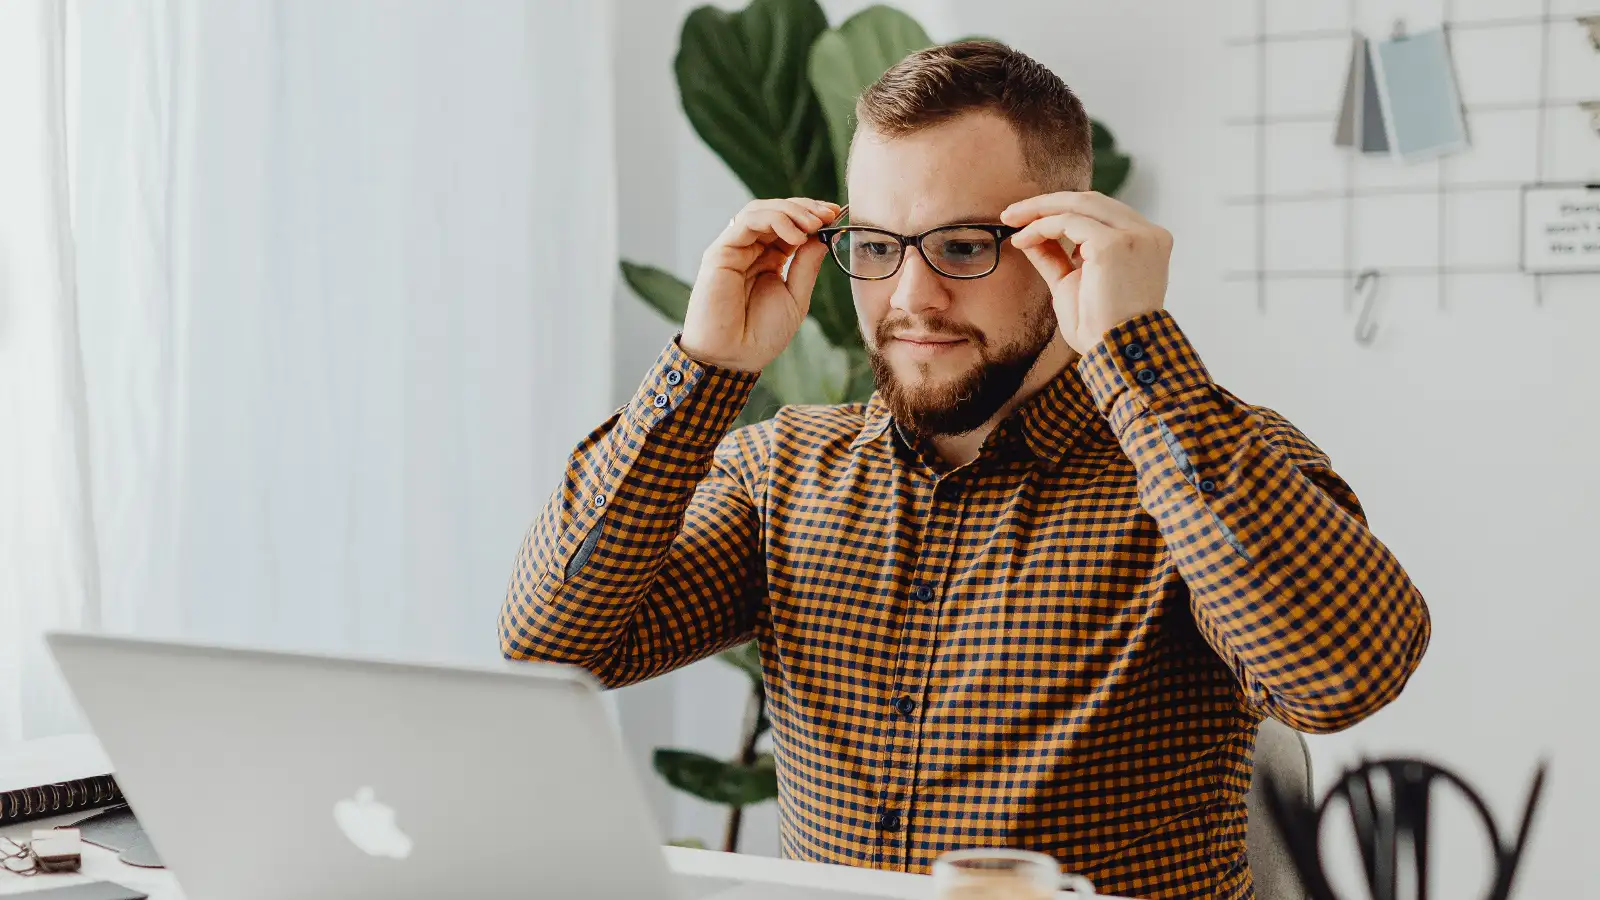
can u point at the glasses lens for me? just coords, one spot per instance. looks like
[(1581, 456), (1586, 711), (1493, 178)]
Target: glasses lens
[(867, 252), (962, 252)]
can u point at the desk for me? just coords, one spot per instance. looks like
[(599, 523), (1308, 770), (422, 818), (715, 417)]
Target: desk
[(797, 880)]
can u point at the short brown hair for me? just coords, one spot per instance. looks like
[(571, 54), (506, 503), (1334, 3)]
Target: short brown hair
[(937, 84)]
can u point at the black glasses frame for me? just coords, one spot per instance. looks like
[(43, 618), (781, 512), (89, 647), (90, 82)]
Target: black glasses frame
[(831, 233)]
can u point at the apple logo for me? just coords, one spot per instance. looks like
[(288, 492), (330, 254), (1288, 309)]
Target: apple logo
[(370, 825)]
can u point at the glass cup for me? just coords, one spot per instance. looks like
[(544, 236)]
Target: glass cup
[(998, 873)]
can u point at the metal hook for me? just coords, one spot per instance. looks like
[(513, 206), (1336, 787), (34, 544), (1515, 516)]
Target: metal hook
[(1367, 323)]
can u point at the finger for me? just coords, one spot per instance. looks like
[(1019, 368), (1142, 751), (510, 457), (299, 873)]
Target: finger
[(812, 201), (732, 258), (752, 244), (825, 210), (1088, 203), (796, 209), (1093, 204), (761, 226), (803, 271), (783, 225), (1076, 228), (1051, 260), (772, 259)]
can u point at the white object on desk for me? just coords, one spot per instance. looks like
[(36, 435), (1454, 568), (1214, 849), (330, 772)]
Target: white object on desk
[(1560, 228), (57, 849)]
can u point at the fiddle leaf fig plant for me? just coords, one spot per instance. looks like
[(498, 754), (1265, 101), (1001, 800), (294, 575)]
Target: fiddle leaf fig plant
[(845, 61), (771, 88)]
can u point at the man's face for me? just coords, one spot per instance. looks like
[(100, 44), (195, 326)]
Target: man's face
[(947, 353)]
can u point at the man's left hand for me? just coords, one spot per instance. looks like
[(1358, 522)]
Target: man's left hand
[(1103, 261)]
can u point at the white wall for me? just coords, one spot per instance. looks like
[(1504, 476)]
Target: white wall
[(1468, 430)]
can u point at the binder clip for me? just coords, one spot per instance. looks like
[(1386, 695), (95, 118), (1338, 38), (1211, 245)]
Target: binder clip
[(57, 849)]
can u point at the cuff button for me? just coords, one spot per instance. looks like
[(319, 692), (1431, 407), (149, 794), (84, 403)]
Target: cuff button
[(1145, 376)]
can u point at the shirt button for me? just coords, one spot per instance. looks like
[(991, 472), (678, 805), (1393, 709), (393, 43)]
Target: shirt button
[(599, 501), (905, 705), (1145, 376), (661, 401), (1133, 350), (1208, 486), (889, 821), (922, 592), (674, 377)]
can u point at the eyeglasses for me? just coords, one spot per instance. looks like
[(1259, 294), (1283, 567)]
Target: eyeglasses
[(954, 251)]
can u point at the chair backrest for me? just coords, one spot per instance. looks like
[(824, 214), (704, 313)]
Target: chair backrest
[(1281, 751)]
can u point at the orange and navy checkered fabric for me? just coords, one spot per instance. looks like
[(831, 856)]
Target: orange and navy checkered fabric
[(1066, 645)]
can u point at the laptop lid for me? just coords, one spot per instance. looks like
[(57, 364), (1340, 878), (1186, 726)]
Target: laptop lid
[(265, 776)]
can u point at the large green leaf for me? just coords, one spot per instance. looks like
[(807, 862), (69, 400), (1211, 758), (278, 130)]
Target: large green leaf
[(1111, 167), (810, 369), (1111, 172), (746, 658), (742, 80), (658, 288), (862, 381), (729, 784), (848, 59), (833, 306)]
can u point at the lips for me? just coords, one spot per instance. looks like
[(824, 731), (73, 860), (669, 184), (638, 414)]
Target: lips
[(928, 339)]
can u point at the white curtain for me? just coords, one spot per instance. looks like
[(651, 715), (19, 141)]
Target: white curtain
[(302, 310), (48, 558)]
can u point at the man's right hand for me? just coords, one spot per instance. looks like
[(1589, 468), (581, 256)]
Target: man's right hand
[(743, 311)]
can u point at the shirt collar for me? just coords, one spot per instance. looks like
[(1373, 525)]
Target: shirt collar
[(877, 422), (1051, 422)]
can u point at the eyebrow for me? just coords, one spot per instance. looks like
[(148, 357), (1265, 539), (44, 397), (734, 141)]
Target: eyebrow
[(975, 219)]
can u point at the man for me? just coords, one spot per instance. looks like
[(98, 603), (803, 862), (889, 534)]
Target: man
[(1042, 588)]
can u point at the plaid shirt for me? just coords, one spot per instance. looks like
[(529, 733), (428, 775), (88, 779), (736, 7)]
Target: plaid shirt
[(1066, 645)]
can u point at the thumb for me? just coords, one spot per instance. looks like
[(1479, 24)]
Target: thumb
[(803, 271)]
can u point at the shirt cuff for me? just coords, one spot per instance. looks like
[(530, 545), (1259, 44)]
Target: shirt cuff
[(692, 402), (1139, 362)]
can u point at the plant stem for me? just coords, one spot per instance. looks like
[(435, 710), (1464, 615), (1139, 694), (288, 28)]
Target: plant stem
[(730, 837), (747, 755)]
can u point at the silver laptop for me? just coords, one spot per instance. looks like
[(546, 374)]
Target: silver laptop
[(267, 776)]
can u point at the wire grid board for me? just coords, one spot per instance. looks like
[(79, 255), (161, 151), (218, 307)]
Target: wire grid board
[(1300, 208)]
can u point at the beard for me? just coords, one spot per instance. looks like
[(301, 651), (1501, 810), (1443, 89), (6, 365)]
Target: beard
[(970, 399)]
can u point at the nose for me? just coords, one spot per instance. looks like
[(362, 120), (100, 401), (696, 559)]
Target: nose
[(918, 288)]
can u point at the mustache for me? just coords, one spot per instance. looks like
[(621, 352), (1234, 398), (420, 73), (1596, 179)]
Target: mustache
[(937, 325)]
